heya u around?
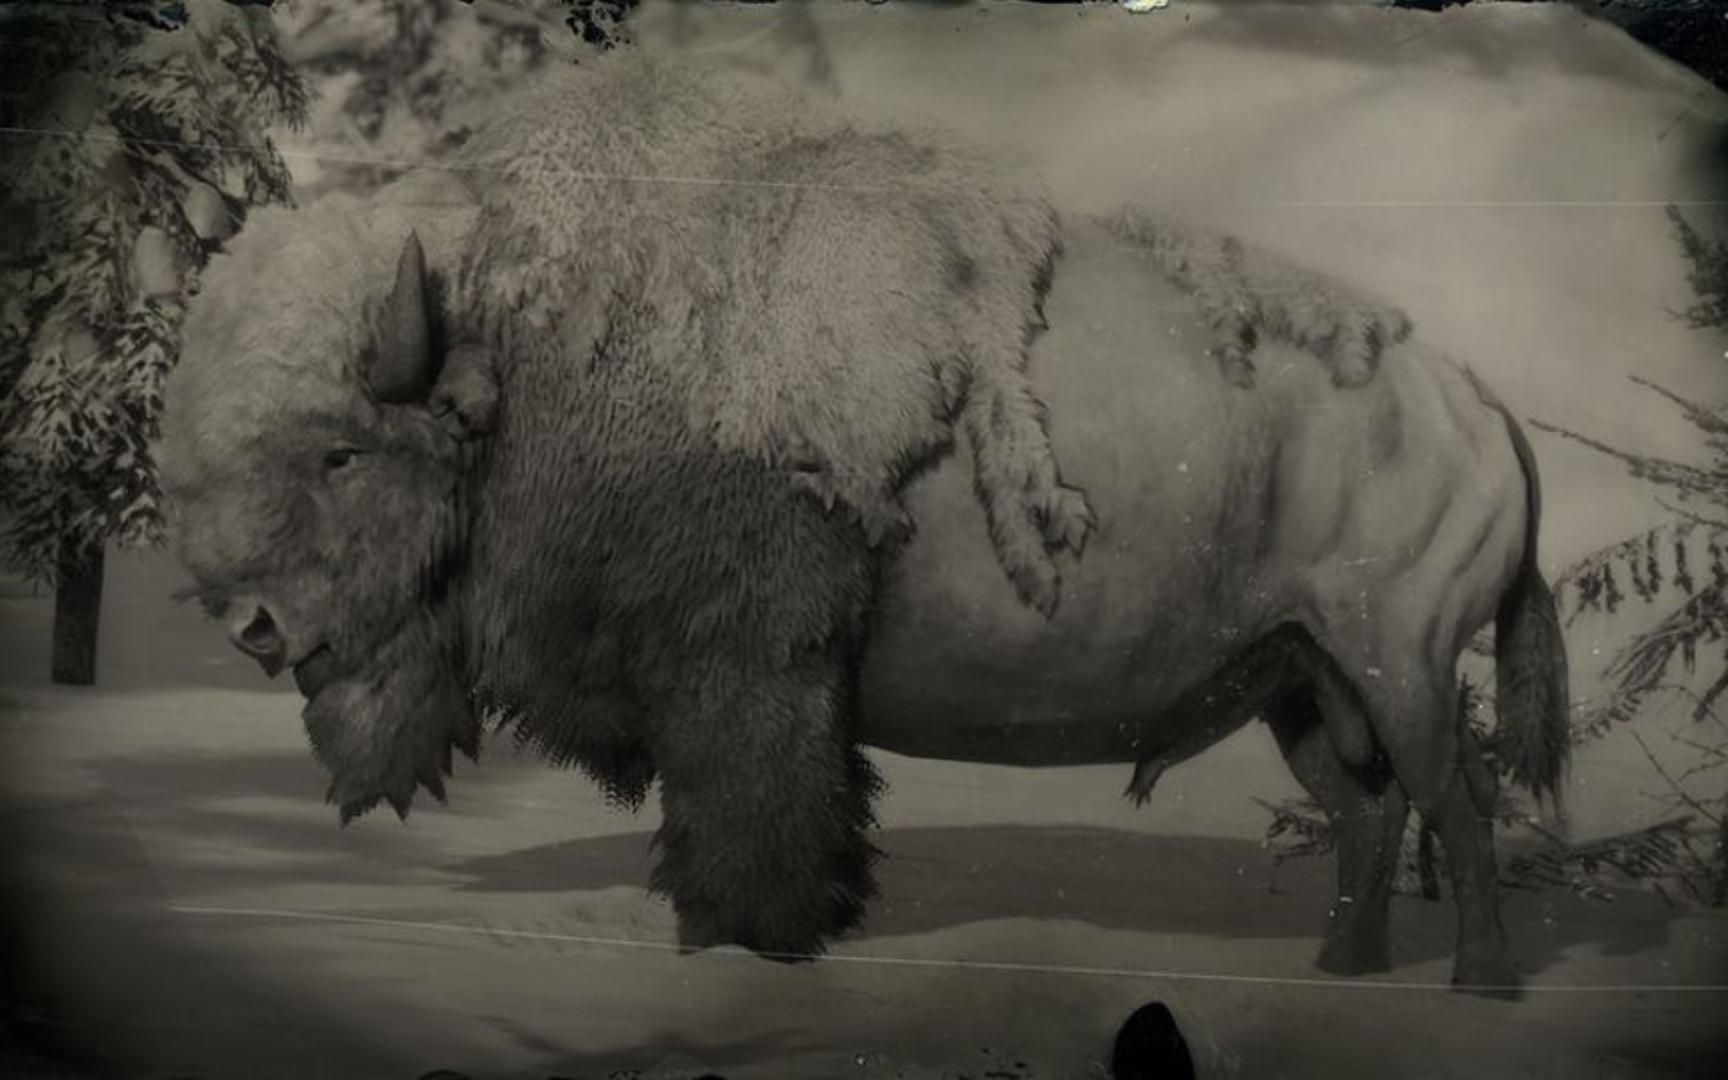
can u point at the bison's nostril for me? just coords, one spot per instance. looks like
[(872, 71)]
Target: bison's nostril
[(260, 639), (260, 633)]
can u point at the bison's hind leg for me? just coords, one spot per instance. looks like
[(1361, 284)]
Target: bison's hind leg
[(1412, 710), (766, 801), (1433, 756), (1366, 808), (1290, 680)]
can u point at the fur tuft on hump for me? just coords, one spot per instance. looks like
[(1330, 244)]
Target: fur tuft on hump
[(1247, 294)]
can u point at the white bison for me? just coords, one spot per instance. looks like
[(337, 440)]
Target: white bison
[(643, 441)]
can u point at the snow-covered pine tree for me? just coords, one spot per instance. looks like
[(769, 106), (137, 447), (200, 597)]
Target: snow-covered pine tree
[(135, 139), (408, 80), (1682, 568)]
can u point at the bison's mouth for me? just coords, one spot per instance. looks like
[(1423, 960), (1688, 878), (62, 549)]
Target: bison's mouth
[(315, 672)]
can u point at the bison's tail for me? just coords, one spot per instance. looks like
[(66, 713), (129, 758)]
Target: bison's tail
[(1531, 677)]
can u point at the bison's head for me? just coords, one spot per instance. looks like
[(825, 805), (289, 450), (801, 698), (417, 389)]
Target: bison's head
[(316, 499)]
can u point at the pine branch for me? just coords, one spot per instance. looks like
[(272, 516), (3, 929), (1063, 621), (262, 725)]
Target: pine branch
[(1677, 790), (1706, 705), (1689, 480), (1305, 826), (116, 142), (1642, 664), (1623, 706), (1708, 274), (1704, 418), (1648, 854), (1716, 524)]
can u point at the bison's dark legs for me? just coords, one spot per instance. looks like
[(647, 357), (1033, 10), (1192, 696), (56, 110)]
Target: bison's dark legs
[(766, 799), (1320, 724), (1415, 714), (1367, 809)]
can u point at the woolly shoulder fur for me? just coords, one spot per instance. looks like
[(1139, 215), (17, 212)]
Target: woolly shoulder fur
[(827, 300)]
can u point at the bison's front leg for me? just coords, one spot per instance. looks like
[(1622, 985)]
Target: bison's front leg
[(1367, 810), (766, 800)]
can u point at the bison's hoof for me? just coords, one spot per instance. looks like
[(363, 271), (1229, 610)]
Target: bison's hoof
[(1067, 520)]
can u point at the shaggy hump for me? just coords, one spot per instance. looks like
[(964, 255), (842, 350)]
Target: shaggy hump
[(824, 299)]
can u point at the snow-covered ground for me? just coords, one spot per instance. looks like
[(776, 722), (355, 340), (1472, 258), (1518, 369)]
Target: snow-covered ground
[(188, 883), (1500, 170)]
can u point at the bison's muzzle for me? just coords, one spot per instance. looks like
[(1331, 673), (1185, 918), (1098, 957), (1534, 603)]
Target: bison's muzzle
[(258, 633), (255, 632)]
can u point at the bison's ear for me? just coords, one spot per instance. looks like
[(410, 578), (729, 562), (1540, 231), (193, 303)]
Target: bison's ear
[(400, 371), (465, 398)]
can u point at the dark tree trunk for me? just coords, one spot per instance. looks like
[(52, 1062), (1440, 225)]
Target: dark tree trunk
[(1719, 892), (77, 614)]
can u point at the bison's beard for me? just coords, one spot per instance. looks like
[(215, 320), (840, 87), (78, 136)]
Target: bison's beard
[(389, 727)]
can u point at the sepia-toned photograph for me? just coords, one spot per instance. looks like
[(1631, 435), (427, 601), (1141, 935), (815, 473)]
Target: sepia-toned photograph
[(863, 539)]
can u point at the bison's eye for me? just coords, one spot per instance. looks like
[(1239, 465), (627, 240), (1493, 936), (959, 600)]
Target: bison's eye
[(339, 458)]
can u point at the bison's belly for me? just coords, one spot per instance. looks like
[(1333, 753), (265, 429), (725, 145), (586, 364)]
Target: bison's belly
[(959, 669), (1169, 585)]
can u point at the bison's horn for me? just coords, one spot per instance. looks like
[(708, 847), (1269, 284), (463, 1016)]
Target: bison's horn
[(402, 367)]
